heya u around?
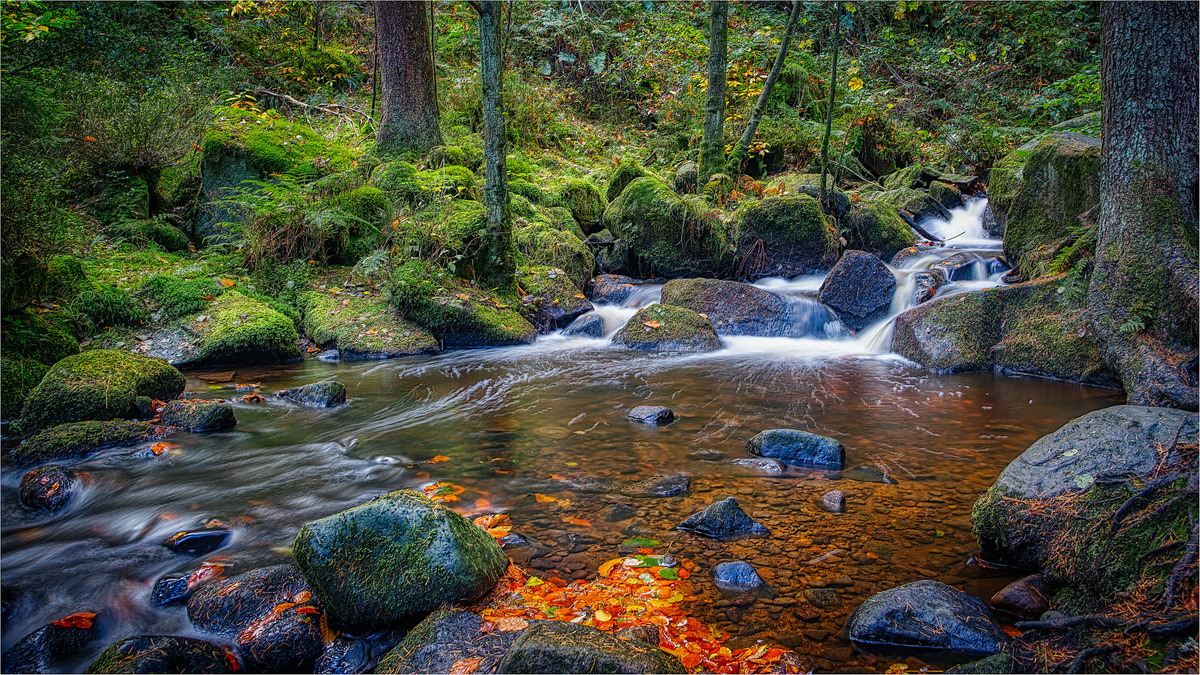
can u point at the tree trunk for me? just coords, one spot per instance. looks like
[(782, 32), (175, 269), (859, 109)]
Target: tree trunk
[(837, 39), (1143, 297), (409, 119), (735, 160), (500, 267), (712, 147)]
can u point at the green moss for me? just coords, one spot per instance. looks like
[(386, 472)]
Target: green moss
[(269, 143), (79, 439), (532, 192), (18, 376), (29, 335), (146, 231), (371, 210), (668, 328), (337, 183), (918, 203), (246, 330), (542, 244), (878, 229), (456, 312), (404, 184), (584, 201), (97, 385), (362, 327), (625, 173), (673, 236), (177, 298), (520, 207), (561, 219), (66, 276), (123, 198), (447, 155), (108, 305), (952, 334), (786, 236), (789, 184)]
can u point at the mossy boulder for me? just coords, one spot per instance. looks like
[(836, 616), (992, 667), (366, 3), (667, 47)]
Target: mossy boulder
[(18, 377), (245, 330), (371, 211), (456, 312), (666, 328), (1004, 181), (1064, 505), (146, 231), (625, 173), (106, 305), (686, 179), (1059, 182), (65, 275), (560, 217), (441, 639), (556, 300), (76, 440), (917, 203), (1027, 328), (29, 335), (447, 155), (404, 184), (174, 297), (546, 245), (565, 647), (585, 202), (395, 557), (362, 327), (785, 236), (947, 195), (198, 415), (97, 385), (877, 229), (164, 654), (670, 236), (732, 307)]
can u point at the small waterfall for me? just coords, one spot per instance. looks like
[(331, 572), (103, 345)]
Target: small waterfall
[(965, 227)]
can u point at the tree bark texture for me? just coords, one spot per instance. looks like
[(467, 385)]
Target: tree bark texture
[(735, 159), (837, 40), (1143, 295), (712, 146), (500, 267), (409, 118)]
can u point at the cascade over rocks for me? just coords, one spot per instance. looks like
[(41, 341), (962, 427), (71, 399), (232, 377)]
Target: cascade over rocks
[(859, 288), (556, 300), (565, 647), (394, 557), (793, 446), (591, 325), (926, 615), (724, 519), (733, 308)]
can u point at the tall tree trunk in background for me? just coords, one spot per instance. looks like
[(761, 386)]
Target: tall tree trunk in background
[(739, 150), (409, 119), (1143, 297), (500, 268), (837, 39), (712, 146)]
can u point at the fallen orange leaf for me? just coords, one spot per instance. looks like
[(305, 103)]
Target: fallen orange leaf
[(544, 499), (77, 620), (652, 324), (228, 283), (577, 521), (465, 666), (439, 458)]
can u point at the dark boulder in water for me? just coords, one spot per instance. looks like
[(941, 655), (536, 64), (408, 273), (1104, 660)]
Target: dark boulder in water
[(1027, 597), (732, 307), (723, 520), (318, 394), (48, 648), (926, 615), (859, 288), (164, 654), (47, 488), (612, 289), (833, 501), (357, 654), (651, 414), (198, 415), (666, 328), (589, 325), (738, 575), (564, 647), (793, 446), (441, 639), (197, 542)]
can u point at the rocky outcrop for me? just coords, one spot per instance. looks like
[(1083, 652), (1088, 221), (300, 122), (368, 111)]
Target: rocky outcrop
[(732, 307), (785, 236), (669, 235), (859, 288), (925, 616), (362, 328)]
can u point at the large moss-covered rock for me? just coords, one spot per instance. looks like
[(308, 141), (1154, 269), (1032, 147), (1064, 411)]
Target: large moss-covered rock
[(18, 377), (30, 335), (404, 184), (164, 654), (1067, 505), (362, 327), (732, 307), (666, 328), (244, 330), (80, 439), (918, 203), (625, 173), (97, 385), (584, 201), (1027, 328), (198, 415), (670, 236), (371, 211), (877, 229), (926, 616), (395, 557), (565, 647), (544, 244), (859, 288), (456, 312), (1039, 202), (443, 638), (175, 298), (148, 231), (785, 236), (556, 300)]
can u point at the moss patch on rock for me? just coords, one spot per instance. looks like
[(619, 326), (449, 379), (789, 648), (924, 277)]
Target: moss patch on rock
[(666, 328), (362, 328), (625, 173), (80, 439), (404, 184), (29, 335), (547, 245), (732, 307), (18, 377), (878, 229), (556, 300), (244, 330), (458, 313), (270, 143), (585, 202), (671, 236), (176, 298), (97, 385), (918, 203), (784, 236)]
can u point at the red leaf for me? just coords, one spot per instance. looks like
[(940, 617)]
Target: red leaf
[(78, 620)]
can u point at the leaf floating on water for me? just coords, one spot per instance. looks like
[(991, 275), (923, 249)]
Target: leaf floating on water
[(465, 666), (438, 458), (160, 448), (577, 521), (544, 499), (77, 620)]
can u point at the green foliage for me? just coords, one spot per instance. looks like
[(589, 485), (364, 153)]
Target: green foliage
[(413, 284), (30, 335), (106, 305), (18, 376), (177, 298)]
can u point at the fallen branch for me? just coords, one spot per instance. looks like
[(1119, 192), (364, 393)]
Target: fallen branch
[(1091, 652), (920, 230), (323, 107), (1102, 620)]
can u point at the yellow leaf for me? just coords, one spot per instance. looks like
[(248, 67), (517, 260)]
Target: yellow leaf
[(652, 324), (855, 84), (602, 615), (544, 499), (228, 283)]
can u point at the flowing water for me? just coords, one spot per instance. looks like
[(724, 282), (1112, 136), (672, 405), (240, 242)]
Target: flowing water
[(547, 418)]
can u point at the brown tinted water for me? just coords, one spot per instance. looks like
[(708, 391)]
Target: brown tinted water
[(515, 422)]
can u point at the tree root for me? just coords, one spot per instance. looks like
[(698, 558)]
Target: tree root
[(1145, 493), (1077, 663), (1184, 627), (1184, 569), (1101, 620)]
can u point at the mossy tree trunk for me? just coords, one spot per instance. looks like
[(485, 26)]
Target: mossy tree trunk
[(500, 267), (739, 150), (712, 146), (837, 39), (409, 118), (1142, 299)]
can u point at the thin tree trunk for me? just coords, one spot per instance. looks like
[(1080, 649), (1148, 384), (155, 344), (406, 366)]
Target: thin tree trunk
[(1143, 298), (499, 269), (739, 151), (837, 39), (409, 120), (712, 146)]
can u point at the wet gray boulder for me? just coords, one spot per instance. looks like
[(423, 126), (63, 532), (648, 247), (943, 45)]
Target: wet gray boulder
[(736, 576), (925, 616), (442, 638), (612, 289), (1027, 597), (164, 654), (733, 308), (833, 501), (589, 325), (397, 556), (947, 195), (564, 647), (318, 394), (859, 288), (651, 414), (47, 649), (291, 642), (47, 488), (357, 654), (793, 446), (723, 520), (198, 415)]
